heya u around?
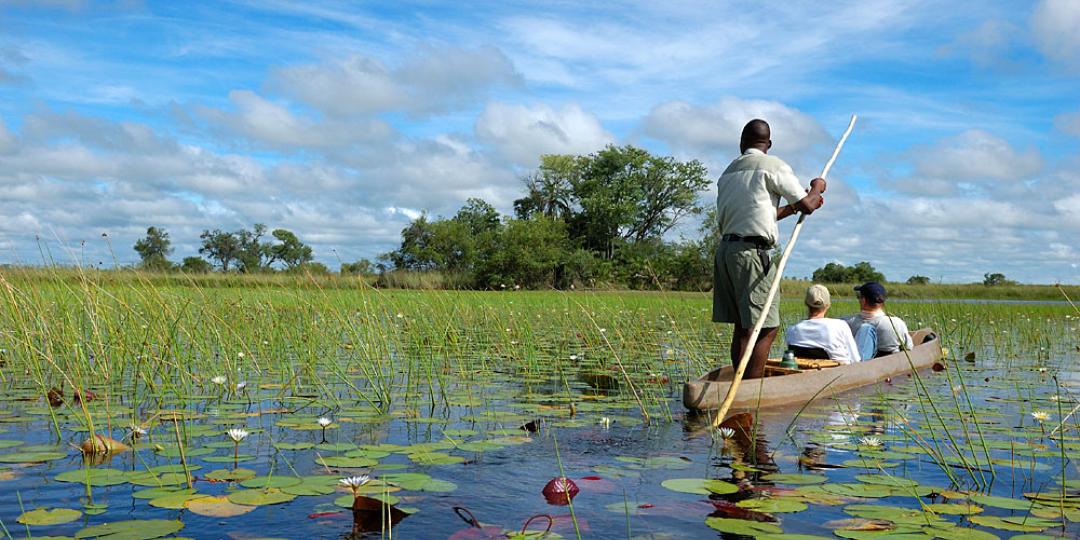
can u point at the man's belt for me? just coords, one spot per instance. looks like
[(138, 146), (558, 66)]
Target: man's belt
[(762, 244), (759, 241)]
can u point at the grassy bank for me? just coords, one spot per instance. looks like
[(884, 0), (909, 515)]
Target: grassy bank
[(791, 288)]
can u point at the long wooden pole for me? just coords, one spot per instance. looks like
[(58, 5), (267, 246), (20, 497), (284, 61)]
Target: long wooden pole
[(749, 349)]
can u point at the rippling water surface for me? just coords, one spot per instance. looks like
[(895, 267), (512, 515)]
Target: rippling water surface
[(439, 422)]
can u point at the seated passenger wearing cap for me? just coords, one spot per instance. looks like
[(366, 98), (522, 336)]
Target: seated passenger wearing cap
[(876, 333), (819, 336)]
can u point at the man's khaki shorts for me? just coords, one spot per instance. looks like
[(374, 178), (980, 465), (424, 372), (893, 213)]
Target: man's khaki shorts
[(740, 285)]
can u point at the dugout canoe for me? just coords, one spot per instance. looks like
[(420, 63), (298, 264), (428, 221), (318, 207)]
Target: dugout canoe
[(707, 391)]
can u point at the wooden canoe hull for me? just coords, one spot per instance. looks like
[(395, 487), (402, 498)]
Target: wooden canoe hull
[(708, 391)]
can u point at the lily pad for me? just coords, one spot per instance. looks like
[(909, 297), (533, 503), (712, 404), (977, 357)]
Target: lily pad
[(409, 480), (227, 475), (792, 536), (148, 478), (479, 446), (260, 497), (312, 485), (1021, 524), (154, 493), (346, 501), (271, 482), (773, 505), (217, 507), (960, 533), (174, 501), (135, 529), (699, 486), (1001, 502), (742, 526), (955, 509), (31, 457), (656, 462), (47, 516), (795, 479), (346, 462), (294, 446), (858, 490), (435, 458), (229, 458), (886, 480), (438, 486), (94, 477)]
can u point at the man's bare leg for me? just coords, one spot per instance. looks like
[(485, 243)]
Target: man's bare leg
[(739, 341)]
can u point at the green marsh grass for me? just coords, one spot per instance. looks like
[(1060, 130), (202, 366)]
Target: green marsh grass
[(152, 347)]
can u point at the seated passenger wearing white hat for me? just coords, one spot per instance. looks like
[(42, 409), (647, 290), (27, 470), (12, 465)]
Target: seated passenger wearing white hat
[(819, 336)]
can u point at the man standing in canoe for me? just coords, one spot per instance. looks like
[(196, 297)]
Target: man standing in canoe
[(747, 207)]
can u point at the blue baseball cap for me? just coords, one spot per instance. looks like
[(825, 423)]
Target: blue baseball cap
[(872, 291)]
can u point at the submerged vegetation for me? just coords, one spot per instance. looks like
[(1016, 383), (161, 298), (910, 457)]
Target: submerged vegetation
[(353, 409)]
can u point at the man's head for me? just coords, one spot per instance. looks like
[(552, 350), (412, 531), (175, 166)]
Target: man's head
[(756, 134), (817, 299), (871, 295)]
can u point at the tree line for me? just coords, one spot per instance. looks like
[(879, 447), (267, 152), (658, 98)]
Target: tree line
[(587, 220), (582, 220), (243, 250)]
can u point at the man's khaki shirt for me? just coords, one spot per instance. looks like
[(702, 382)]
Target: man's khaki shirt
[(749, 192)]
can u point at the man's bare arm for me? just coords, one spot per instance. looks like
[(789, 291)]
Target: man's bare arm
[(812, 201)]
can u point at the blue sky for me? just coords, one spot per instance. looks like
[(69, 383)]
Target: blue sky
[(340, 121)]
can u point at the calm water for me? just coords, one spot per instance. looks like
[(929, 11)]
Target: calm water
[(466, 437)]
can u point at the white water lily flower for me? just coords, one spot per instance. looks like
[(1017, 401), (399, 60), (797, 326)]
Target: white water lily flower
[(219, 379), (605, 422), (237, 434), (241, 385), (1040, 416), (725, 432), (137, 431), (354, 482), (324, 421), (870, 441)]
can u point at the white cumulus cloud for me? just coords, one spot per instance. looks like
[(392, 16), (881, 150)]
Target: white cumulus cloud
[(1056, 28), (272, 124), (523, 133), (715, 128), (431, 81), (976, 154)]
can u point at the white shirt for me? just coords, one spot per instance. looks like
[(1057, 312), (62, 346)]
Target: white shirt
[(749, 191), (832, 335), (889, 330)]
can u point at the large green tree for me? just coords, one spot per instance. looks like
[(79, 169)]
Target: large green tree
[(583, 219), (362, 267), (995, 279), (550, 189), (448, 244), (616, 196), (220, 246), (526, 253), (195, 265), (154, 249), (837, 273), (254, 254), (416, 251), (288, 250)]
